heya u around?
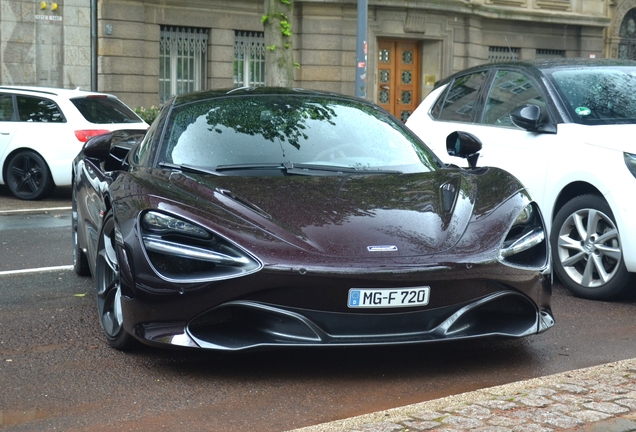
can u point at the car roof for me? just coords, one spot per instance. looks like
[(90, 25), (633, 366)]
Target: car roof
[(537, 65), (53, 91), (256, 91)]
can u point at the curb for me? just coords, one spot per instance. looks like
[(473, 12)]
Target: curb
[(598, 398)]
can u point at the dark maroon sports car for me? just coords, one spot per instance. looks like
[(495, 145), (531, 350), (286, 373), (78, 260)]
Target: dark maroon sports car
[(261, 217)]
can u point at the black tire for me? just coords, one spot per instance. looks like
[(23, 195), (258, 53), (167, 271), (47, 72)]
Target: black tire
[(28, 176), (586, 249), (109, 288), (80, 261)]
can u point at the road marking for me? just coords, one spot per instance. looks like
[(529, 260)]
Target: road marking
[(36, 210), (35, 270)]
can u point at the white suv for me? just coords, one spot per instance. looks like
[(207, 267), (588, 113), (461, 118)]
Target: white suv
[(567, 129), (43, 129)]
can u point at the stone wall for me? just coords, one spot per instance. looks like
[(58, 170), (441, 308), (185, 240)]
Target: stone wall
[(45, 45), (52, 47)]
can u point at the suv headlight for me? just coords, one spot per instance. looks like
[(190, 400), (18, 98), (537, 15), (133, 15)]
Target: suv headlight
[(526, 243), (181, 250)]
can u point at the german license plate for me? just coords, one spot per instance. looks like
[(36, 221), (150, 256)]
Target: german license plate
[(388, 297)]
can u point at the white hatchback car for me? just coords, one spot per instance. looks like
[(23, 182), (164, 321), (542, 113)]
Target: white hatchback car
[(567, 129), (43, 129)]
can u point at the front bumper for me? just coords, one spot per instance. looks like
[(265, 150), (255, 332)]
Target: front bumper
[(241, 325)]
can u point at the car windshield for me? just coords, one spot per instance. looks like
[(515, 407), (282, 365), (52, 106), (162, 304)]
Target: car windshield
[(598, 95), (261, 132), (105, 110)]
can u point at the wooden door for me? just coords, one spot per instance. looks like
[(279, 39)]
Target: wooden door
[(398, 77)]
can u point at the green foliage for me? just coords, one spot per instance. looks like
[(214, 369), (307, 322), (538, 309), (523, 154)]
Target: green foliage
[(264, 19), (285, 28), (147, 114), (271, 47)]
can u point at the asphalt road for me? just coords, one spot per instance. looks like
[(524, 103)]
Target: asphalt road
[(58, 373)]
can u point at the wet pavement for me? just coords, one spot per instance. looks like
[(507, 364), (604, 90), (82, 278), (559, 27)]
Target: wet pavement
[(60, 199), (596, 399)]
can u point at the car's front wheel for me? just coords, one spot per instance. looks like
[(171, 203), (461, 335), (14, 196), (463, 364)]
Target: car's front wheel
[(28, 176), (586, 246), (109, 288)]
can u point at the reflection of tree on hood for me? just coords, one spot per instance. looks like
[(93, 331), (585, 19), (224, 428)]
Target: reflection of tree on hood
[(613, 96)]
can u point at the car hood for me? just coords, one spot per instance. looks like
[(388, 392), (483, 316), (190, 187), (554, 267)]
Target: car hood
[(406, 215)]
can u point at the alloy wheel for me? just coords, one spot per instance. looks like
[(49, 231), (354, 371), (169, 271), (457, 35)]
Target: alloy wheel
[(28, 176), (588, 248), (108, 282)]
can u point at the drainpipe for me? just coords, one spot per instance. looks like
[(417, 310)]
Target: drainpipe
[(361, 50), (94, 45)]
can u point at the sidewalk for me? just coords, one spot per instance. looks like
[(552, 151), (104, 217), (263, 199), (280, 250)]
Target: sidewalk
[(596, 399)]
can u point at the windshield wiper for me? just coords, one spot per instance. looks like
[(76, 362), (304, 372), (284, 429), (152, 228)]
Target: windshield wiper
[(310, 169), (290, 168), (253, 166), (188, 168)]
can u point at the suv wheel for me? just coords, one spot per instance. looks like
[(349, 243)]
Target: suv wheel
[(586, 248), (28, 177)]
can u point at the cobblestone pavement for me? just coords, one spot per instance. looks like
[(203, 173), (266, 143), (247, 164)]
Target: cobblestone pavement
[(597, 399)]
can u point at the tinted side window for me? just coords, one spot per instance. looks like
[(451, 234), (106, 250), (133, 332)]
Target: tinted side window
[(35, 109), (510, 90), (104, 110), (6, 107), (460, 99), (142, 154)]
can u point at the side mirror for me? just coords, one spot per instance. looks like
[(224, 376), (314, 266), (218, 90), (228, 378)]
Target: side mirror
[(531, 119), (111, 149), (527, 117), (464, 145), (98, 147)]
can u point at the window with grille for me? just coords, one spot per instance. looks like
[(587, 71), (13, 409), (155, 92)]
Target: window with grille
[(249, 59), (182, 60), (550, 53), (497, 54)]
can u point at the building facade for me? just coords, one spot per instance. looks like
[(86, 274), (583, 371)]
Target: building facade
[(146, 50)]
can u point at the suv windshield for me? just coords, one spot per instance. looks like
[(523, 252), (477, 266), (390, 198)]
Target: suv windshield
[(271, 130), (598, 95), (103, 110)]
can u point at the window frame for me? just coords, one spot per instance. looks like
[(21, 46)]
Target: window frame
[(250, 46), (18, 108), (183, 59), (477, 103), (493, 82)]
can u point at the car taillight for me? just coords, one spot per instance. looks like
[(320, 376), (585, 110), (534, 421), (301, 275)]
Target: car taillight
[(84, 135)]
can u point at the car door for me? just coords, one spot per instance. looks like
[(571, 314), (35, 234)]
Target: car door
[(527, 155), (8, 125), (486, 114)]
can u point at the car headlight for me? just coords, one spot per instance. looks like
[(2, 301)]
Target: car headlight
[(630, 161), (181, 250), (526, 244)]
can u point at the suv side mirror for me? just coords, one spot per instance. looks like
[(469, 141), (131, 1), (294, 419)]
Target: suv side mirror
[(464, 145), (529, 118)]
